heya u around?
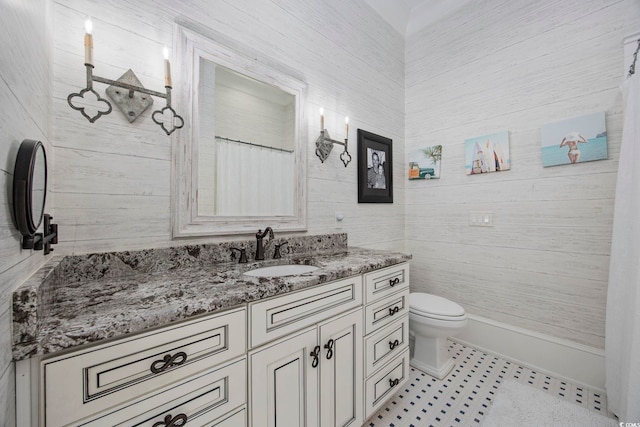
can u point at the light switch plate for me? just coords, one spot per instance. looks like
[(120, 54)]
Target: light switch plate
[(481, 218)]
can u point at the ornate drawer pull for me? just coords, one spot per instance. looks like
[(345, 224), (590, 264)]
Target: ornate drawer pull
[(393, 310), (393, 282), (316, 356), (393, 344), (167, 362), (392, 383), (177, 421), (329, 347)]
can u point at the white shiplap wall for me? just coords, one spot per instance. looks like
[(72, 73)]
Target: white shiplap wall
[(517, 65), (113, 178), (25, 91)]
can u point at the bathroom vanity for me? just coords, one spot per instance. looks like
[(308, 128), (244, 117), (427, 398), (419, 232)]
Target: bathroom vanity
[(142, 338)]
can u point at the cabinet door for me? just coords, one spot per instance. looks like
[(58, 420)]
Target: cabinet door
[(341, 402), (284, 382)]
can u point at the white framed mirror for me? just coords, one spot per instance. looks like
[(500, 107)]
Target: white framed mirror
[(240, 163)]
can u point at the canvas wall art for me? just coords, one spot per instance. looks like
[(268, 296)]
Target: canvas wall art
[(577, 140), (424, 163), (488, 153)]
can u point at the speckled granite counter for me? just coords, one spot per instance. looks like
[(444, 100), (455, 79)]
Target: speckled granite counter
[(77, 300)]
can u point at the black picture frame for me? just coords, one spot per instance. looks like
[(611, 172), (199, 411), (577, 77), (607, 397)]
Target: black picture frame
[(374, 186)]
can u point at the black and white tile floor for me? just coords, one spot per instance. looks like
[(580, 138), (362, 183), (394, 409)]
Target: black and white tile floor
[(465, 395)]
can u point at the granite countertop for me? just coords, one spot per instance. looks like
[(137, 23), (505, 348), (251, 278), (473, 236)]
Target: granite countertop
[(79, 310)]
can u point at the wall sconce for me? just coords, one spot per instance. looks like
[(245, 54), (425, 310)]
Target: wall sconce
[(132, 101), (324, 143)]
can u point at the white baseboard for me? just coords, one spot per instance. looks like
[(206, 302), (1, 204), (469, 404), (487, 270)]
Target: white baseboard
[(580, 364)]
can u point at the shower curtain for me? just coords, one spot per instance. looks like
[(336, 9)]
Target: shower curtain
[(622, 339), (258, 181)]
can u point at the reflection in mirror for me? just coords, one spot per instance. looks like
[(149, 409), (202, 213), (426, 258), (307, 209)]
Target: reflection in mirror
[(246, 147), (39, 185), (241, 164)]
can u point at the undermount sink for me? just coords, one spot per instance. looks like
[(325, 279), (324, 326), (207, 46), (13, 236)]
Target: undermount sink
[(281, 270)]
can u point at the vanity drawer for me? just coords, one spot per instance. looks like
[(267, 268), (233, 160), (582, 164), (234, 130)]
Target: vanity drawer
[(279, 316), (385, 311), (202, 400), (385, 344), (386, 382), (111, 374), (380, 283)]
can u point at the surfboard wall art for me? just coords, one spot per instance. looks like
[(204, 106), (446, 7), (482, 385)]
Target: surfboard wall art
[(487, 153), (424, 163), (577, 140)]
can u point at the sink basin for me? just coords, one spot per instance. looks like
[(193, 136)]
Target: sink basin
[(281, 270)]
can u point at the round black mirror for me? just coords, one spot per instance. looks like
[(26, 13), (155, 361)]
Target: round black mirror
[(29, 186)]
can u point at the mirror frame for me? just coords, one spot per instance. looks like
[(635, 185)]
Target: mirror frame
[(192, 44), (23, 187)]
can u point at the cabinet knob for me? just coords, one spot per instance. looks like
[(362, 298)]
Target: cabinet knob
[(169, 421), (316, 356), (393, 310), (393, 344), (393, 383), (329, 347), (393, 282), (167, 362)]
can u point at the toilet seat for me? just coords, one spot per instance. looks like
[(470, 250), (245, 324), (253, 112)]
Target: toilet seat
[(435, 307)]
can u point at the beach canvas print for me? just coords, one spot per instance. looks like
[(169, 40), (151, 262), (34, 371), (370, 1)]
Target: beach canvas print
[(488, 153), (424, 163), (576, 140)]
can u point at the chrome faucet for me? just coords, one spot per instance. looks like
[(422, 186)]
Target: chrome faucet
[(259, 246)]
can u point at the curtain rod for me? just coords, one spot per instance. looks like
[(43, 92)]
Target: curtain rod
[(253, 144)]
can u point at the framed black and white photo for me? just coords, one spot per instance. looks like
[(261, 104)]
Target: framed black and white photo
[(375, 172)]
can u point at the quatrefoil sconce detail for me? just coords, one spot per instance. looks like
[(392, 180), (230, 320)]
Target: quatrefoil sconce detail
[(80, 100), (324, 143), (127, 93)]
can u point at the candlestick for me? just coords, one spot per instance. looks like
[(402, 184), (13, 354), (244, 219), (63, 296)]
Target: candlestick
[(167, 68), (321, 119), (346, 125), (88, 43)]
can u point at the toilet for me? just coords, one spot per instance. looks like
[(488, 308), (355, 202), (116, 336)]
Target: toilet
[(431, 320)]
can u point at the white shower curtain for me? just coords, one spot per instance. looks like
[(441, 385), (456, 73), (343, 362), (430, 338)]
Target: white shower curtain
[(258, 181), (622, 339)]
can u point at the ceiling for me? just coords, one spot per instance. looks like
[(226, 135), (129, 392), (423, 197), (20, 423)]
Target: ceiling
[(411, 16)]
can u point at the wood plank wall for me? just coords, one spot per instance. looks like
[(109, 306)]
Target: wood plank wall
[(25, 93), (113, 178), (517, 65)]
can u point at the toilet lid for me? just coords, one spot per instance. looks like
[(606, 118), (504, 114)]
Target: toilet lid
[(428, 304)]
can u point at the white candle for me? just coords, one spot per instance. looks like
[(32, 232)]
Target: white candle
[(167, 68), (88, 43), (321, 119), (346, 125)]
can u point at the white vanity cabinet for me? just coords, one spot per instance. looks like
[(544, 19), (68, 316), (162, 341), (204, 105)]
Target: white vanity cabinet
[(324, 356), (194, 371), (386, 343), (312, 377)]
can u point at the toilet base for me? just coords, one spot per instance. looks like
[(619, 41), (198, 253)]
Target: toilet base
[(438, 373), (431, 355)]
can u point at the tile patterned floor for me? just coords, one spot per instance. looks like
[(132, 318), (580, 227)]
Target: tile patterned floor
[(464, 396)]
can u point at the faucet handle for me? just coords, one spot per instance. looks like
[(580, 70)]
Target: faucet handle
[(276, 252), (243, 255)]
